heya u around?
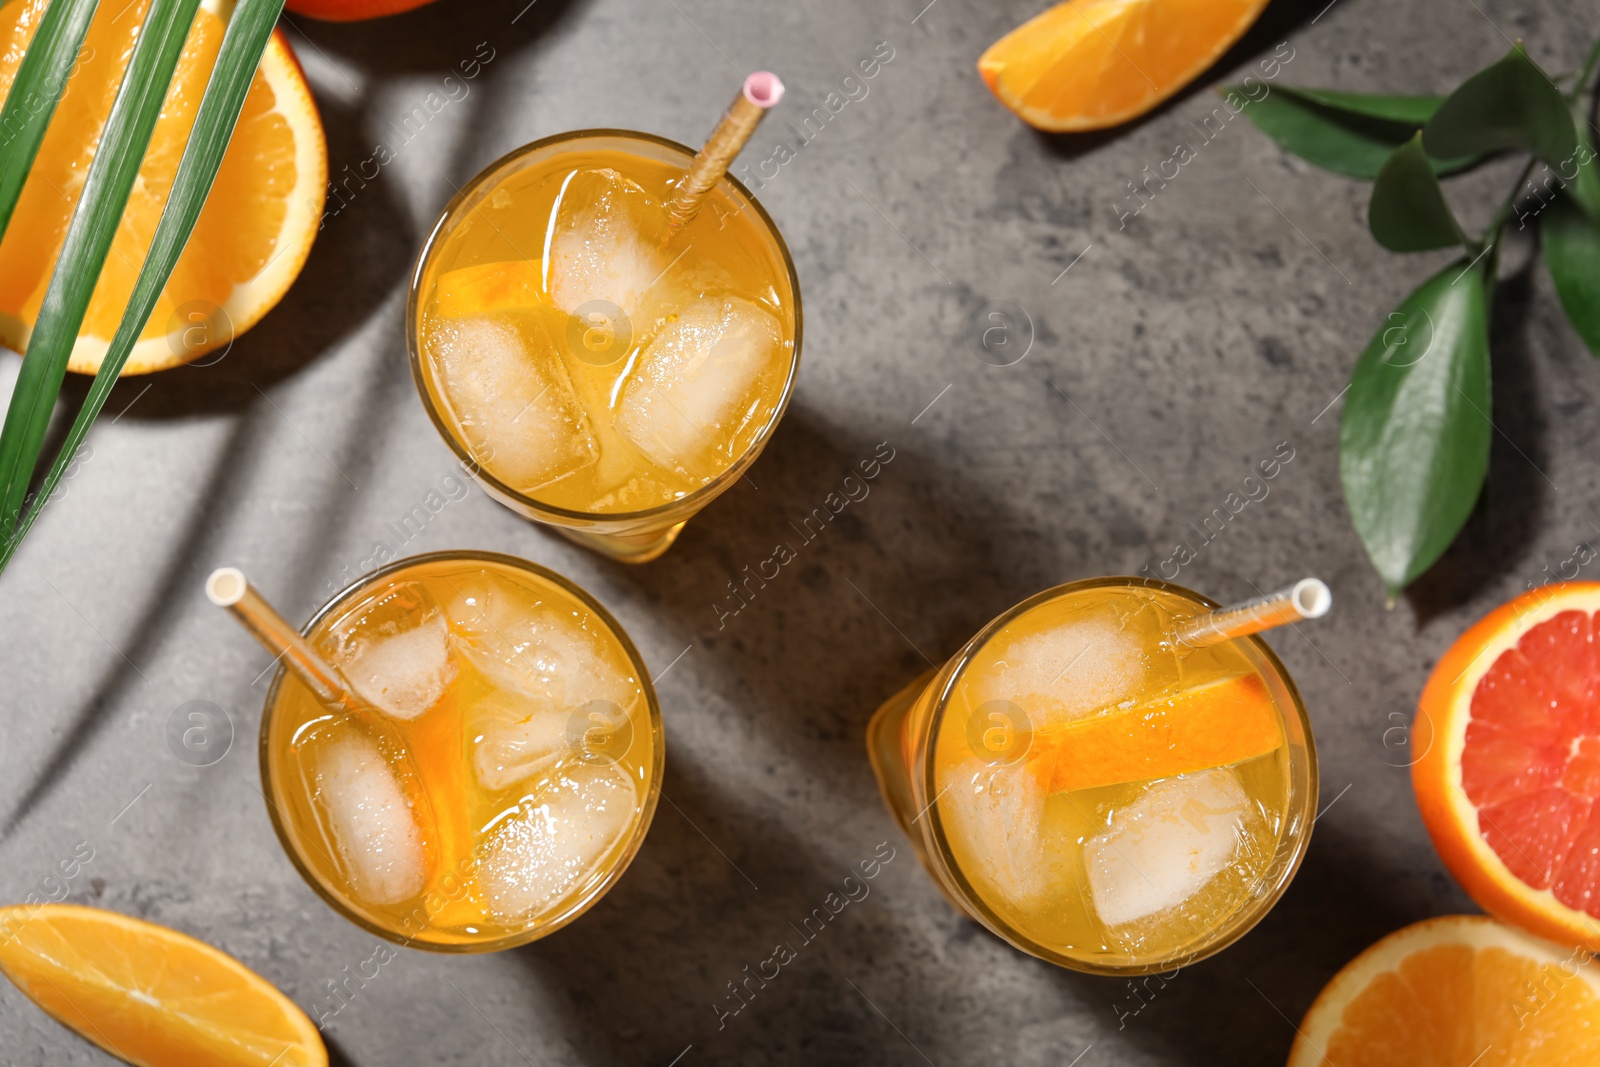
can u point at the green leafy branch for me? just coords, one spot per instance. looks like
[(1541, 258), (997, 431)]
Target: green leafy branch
[(1414, 440), (29, 107)]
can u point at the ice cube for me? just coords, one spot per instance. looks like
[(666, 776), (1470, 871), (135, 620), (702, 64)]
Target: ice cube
[(534, 644), (693, 388), (1068, 671), (515, 737), (512, 399), (370, 821), (991, 815), (554, 839), (394, 649), (601, 246), (1166, 846)]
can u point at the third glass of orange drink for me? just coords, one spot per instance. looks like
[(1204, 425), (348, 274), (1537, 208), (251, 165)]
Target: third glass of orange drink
[(596, 374), (1096, 792)]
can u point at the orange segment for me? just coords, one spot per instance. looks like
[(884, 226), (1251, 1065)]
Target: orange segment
[(150, 995), (1226, 721), (1462, 989), (1508, 774), (1089, 64), (252, 237), (489, 287)]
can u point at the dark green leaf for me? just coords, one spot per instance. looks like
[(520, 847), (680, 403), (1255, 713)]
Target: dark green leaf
[(249, 30), (1408, 212), (1346, 133), (1410, 110), (35, 92), (1414, 441), (1511, 105), (1585, 185), (94, 223), (1571, 242)]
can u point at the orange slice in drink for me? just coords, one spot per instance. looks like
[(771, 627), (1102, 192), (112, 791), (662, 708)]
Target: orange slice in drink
[(1215, 724), (487, 287), (150, 995), (1089, 64), (1509, 777), (252, 237), (1462, 989)]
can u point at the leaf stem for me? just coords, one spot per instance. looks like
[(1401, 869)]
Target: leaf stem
[(1583, 74), (1491, 236)]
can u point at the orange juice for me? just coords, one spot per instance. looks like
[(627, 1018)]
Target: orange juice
[(585, 364), (507, 769), (1095, 793)]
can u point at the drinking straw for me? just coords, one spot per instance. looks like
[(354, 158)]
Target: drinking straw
[(1308, 598), (760, 91), (228, 588)]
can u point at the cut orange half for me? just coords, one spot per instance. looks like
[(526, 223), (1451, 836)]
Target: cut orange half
[(1509, 777), (252, 237), (1223, 722), (150, 995), (1089, 64), (1459, 990)]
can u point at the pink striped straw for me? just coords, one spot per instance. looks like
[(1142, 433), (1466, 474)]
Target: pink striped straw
[(759, 92)]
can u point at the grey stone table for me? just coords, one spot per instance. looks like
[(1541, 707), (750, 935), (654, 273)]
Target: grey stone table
[(1170, 352)]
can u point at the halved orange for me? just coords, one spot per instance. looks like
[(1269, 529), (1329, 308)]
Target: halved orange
[(150, 995), (251, 239), (1215, 724), (1089, 64), (1509, 777), (1461, 990)]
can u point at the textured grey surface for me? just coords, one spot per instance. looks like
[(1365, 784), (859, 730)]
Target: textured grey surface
[(1177, 352)]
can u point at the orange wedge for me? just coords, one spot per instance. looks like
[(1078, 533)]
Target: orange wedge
[(150, 995), (1460, 990), (1226, 721), (1508, 772), (252, 237), (489, 287), (1089, 64)]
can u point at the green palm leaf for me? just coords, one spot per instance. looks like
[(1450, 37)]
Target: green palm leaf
[(35, 93), (83, 253), (248, 32)]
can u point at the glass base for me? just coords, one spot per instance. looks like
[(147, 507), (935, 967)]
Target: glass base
[(886, 752), (625, 548)]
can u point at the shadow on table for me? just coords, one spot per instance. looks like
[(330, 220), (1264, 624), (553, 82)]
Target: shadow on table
[(894, 582), (433, 38), (715, 888), (867, 598)]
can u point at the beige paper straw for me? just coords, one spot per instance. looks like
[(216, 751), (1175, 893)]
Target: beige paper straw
[(228, 588), (1308, 598), (760, 91)]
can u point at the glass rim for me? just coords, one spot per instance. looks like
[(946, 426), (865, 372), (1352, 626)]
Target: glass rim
[(695, 500), (1231, 930), (585, 900)]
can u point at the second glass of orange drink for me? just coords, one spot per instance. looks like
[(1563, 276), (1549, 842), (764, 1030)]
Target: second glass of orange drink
[(494, 769), (1094, 790), (598, 370)]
